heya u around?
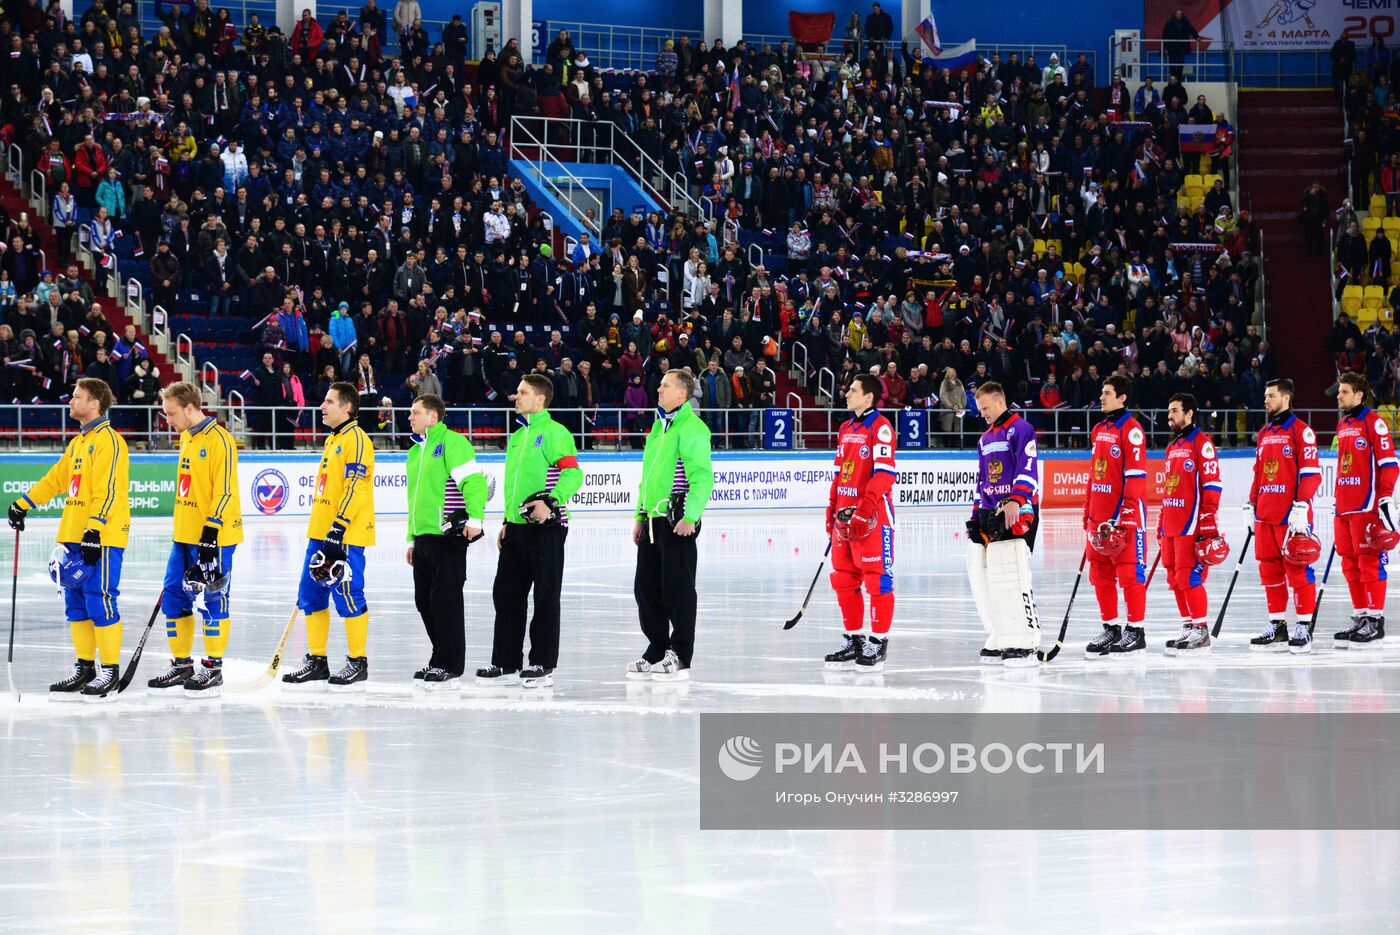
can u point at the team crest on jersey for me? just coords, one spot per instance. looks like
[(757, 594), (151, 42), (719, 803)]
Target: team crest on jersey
[(270, 491), (1309, 436), (74, 484), (1100, 468), (1188, 465), (1135, 436), (994, 469), (1171, 483), (864, 451), (848, 470), (1271, 469), (539, 441), (183, 485), (1361, 444), (1344, 463), (1116, 451), (203, 452), (437, 452), (1288, 451), (1207, 450)]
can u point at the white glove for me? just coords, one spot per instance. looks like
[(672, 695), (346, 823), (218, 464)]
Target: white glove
[(1298, 518), (1386, 510), (1248, 513)]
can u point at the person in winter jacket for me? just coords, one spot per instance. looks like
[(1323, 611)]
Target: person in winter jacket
[(343, 335)]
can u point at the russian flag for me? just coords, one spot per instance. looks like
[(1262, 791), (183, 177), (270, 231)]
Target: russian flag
[(958, 58), (928, 33), (1196, 137), (108, 261), (246, 375)]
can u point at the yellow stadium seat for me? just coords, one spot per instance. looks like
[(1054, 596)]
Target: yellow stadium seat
[(1377, 209), (1351, 300), (1193, 181), (1210, 179), (1206, 164), (1372, 225), (1059, 247), (1391, 226), (1364, 317), (1372, 296)]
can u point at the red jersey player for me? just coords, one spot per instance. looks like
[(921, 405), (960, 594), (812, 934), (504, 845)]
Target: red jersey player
[(860, 520), (1189, 537), (1286, 476), (1113, 519), (1364, 527)]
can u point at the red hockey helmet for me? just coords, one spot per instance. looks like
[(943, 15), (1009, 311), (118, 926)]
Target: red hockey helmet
[(1212, 550), (1377, 538), (1301, 549), (1108, 540)]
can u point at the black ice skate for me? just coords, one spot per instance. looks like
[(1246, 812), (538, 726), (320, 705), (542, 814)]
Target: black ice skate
[(208, 682), (352, 677), (70, 689), (852, 644), (1342, 638), (174, 679), (872, 655), (421, 673), (1100, 645), (496, 675), (312, 676), (536, 677), (1194, 640), (990, 657), (1300, 642), (1134, 640), (438, 680), (103, 688), (1274, 638), (1019, 658), (1371, 633)]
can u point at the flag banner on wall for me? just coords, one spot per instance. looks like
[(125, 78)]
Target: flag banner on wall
[(1274, 25), (954, 58)]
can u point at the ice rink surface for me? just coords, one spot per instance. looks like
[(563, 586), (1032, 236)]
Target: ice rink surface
[(576, 809)]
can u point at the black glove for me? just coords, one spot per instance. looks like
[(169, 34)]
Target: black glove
[(974, 529), (209, 548), (17, 517), (91, 547), (456, 522), (333, 546), (549, 501)]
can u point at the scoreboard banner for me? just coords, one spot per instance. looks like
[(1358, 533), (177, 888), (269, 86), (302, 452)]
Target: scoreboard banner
[(1277, 25)]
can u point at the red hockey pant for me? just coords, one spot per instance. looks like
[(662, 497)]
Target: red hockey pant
[(1364, 569), (869, 561), (1185, 576), (1277, 576)]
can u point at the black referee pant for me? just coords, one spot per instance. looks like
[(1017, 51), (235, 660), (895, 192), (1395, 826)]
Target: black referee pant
[(531, 556), (439, 570), (665, 590)]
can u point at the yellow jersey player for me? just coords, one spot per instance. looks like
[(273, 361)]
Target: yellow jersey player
[(340, 528), (94, 474), (208, 525)]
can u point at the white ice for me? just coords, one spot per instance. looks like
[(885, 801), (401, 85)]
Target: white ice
[(576, 809)]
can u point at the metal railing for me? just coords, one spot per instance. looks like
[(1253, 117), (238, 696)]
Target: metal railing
[(47, 427), (542, 159), (617, 46), (604, 142), (1138, 58)]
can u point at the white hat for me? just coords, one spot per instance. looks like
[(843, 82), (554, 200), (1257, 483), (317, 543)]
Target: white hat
[(942, 177)]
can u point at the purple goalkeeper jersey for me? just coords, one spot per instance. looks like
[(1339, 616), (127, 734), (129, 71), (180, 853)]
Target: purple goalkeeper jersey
[(1006, 464)]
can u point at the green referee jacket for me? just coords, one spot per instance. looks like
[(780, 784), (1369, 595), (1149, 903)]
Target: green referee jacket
[(443, 457), (677, 456), (540, 455)]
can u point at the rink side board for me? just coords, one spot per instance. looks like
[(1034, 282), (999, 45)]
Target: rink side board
[(280, 484)]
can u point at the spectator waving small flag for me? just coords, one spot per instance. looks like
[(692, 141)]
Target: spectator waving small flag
[(246, 375), (1196, 137)]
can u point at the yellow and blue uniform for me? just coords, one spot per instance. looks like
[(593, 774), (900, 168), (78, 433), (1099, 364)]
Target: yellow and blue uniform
[(344, 497), (94, 473), (206, 494)]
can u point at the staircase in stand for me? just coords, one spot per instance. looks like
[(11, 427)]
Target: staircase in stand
[(1288, 139), (115, 311), (813, 425)]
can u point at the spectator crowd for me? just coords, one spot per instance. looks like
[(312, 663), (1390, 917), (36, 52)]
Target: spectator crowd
[(347, 198)]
